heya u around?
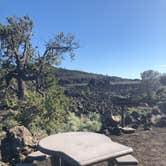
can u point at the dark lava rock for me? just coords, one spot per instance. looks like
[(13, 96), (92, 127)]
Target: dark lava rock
[(143, 119), (108, 121), (115, 131), (135, 126), (162, 107), (17, 144), (147, 127), (162, 122), (128, 119), (156, 111), (135, 115)]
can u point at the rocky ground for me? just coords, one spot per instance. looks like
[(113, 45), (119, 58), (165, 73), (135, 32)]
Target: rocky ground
[(149, 146)]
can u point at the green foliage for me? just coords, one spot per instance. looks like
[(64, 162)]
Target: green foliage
[(23, 62), (41, 114), (10, 119), (10, 100), (91, 122), (161, 93), (46, 113), (50, 114), (150, 83), (140, 110), (27, 71)]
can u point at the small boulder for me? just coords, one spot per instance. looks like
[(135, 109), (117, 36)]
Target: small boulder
[(135, 125), (115, 131), (135, 115), (162, 122), (155, 119), (156, 111), (128, 130), (3, 164), (17, 144)]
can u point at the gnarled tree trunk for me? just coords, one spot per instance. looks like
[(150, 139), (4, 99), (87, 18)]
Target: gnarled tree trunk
[(21, 88)]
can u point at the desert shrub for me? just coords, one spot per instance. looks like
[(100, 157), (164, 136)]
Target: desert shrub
[(9, 120), (90, 122), (140, 110), (47, 113), (9, 100), (93, 122)]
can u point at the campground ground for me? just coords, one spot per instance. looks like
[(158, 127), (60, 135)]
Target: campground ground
[(149, 146)]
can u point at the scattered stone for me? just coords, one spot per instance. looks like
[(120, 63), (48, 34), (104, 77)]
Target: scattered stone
[(128, 130)]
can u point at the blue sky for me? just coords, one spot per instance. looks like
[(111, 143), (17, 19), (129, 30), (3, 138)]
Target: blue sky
[(117, 37)]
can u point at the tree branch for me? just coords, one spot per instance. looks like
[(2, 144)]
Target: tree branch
[(24, 55)]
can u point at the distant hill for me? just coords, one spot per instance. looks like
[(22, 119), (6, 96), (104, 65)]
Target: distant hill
[(66, 76)]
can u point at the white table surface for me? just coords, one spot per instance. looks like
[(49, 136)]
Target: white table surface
[(82, 148)]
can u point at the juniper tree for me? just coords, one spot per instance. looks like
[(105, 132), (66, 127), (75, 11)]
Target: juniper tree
[(21, 60), (150, 82)]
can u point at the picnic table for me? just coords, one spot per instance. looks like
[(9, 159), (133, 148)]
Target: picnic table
[(82, 148)]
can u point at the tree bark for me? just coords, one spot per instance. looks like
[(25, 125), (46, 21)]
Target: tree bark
[(21, 88)]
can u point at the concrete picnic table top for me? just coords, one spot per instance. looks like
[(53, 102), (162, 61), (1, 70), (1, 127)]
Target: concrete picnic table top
[(82, 148)]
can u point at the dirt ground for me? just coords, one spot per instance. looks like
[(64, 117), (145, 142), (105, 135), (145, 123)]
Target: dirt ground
[(149, 146)]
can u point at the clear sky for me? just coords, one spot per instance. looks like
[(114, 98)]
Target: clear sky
[(117, 37)]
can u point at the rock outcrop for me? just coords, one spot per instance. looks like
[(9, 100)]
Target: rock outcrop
[(17, 144)]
